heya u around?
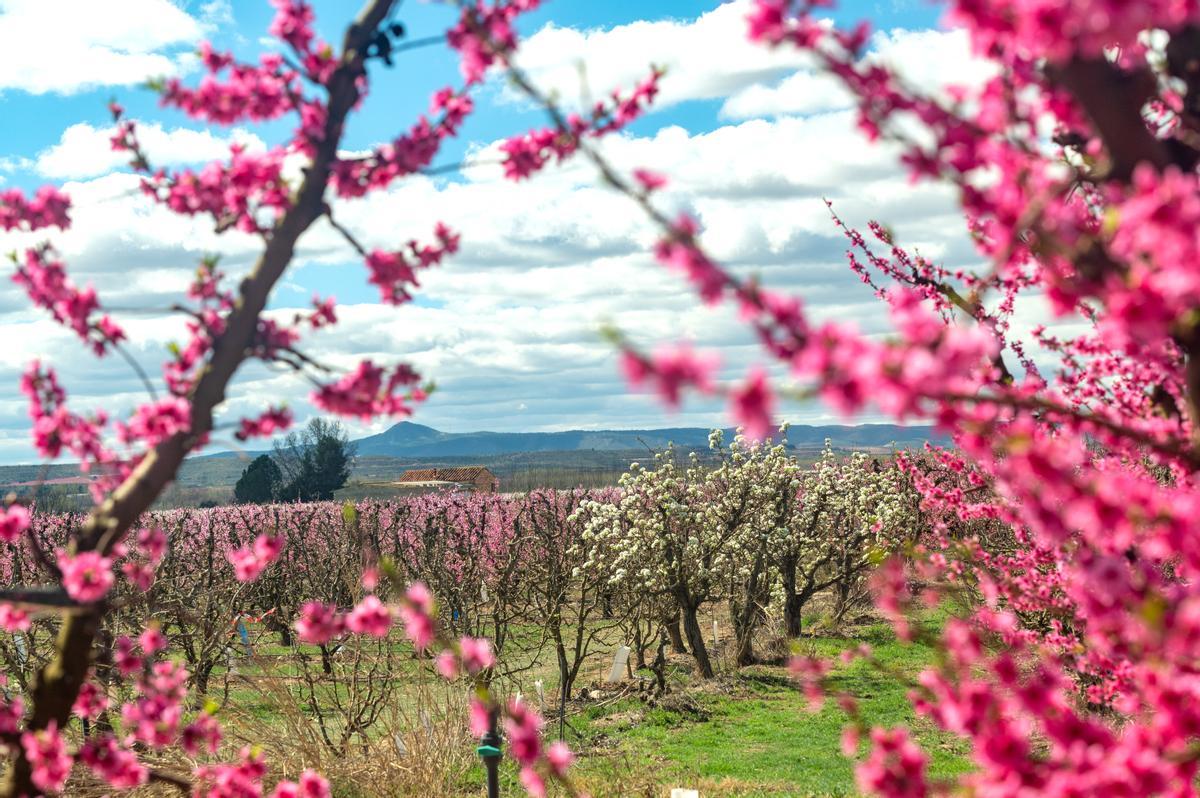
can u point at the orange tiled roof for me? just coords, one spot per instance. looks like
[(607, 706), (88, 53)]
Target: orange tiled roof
[(462, 474)]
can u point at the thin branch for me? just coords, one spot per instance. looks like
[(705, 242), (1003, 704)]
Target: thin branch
[(413, 44), (39, 597), (346, 234), (183, 784), (137, 368), (460, 166)]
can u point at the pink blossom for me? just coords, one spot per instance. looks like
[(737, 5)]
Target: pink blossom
[(249, 562), (90, 702), (87, 576), (752, 405), (559, 757), (476, 653), (155, 422), (485, 33), (272, 420), (417, 614), (649, 180), (240, 780), (523, 727), (293, 23), (48, 208), (394, 272), (12, 712), (369, 391), (311, 785), (670, 370), (125, 658), (45, 280), (533, 782), (319, 623), (152, 543), (446, 664), (14, 619), (895, 766), (116, 765), (202, 735), (46, 751), (810, 672), (371, 617), (14, 520), (480, 718), (139, 574), (152, 640), (849, 741)]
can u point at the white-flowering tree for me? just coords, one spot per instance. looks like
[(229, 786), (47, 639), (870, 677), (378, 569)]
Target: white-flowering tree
[(661, 546), (742, 496), (687, 534), (845, 508)]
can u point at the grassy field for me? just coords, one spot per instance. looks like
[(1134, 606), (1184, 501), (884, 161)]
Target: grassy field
[(749, 732), (753, 733)]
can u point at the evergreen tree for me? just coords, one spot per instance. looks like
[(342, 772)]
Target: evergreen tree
[(260, 482)]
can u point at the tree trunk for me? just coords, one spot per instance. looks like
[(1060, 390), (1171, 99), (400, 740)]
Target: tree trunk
[(695, 638), (639, 644), (744, 624), (285, 631), (746, 616), (565, 677), (201, 676), (677, 646), (793, 605)]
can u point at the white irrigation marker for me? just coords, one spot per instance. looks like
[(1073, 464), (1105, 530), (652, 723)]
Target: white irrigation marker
[(541, 692), (620, 660), (682, 792)]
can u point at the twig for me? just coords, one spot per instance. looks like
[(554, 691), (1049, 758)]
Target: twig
[(137, 367), (346, 234)]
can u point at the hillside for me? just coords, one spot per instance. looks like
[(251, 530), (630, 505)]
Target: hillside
[(509, 454), (407, 439)]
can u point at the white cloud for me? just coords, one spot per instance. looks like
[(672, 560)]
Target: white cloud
[(14, 163), (217, 13), (512, 319), (707, 57), (928, 60), (802, 92), (86, 151), (508, 327), (67, 46)]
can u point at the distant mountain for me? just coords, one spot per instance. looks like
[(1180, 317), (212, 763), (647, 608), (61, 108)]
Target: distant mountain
[(513, 456), (408, 440)]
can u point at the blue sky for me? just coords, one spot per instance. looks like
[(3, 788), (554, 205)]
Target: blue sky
[(400, 94), (752, 143)]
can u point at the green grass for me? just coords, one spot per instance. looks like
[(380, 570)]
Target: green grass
[(760, 736), (749, 732)]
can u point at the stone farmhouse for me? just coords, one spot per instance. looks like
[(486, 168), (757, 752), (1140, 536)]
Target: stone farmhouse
[(477, 479)]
